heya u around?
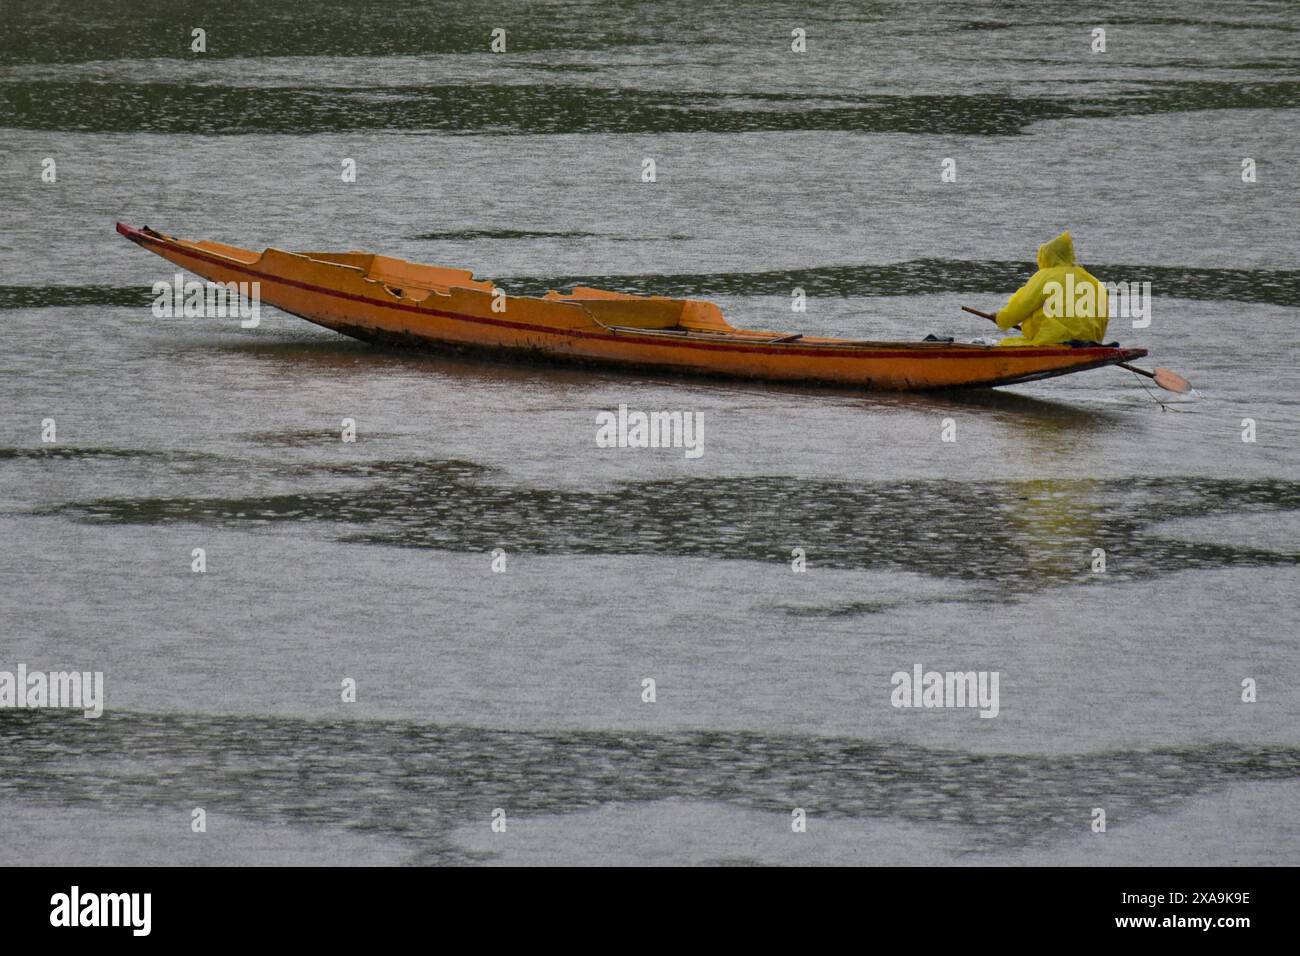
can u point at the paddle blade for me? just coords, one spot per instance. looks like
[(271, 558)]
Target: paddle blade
[(1171, 381)]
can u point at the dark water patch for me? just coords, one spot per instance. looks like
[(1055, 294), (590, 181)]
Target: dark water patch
[(915, 277), (1114, 19), (76, 30), (418, 782), (103, 107), (1019, 534), (59, 296), (136, 468), (62, 452), (82, 30), (935, 276), (851, 609), (508, 109), (831, 610), (308, 437), (470, 235), (558, 66), (1210, 23), (1281, 63), (1175, 96)]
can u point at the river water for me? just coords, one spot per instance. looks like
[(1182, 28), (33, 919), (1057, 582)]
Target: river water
[(522, 690)]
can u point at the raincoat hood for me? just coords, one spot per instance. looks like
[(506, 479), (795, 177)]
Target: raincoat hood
[(1061, 302), (1058, 252)]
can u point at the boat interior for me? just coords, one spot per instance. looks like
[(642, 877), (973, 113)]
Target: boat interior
[(613, 311), (618, 311)]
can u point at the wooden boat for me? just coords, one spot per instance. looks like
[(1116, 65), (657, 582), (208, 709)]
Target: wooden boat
[(385, 300)]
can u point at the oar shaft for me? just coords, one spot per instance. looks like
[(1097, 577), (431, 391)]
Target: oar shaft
[(985, 315), (982, 315), (1134, 368)]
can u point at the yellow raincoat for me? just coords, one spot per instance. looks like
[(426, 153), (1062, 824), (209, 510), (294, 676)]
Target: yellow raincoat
[(1061, 302)]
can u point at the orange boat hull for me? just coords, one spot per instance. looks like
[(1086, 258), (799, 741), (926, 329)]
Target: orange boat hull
[(385, 300)]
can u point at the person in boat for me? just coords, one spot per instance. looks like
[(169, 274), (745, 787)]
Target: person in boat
[(1062, 302)]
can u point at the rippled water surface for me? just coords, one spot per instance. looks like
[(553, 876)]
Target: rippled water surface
[(522, 690)]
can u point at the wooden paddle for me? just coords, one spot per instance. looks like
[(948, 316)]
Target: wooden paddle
[(1166, 378)]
